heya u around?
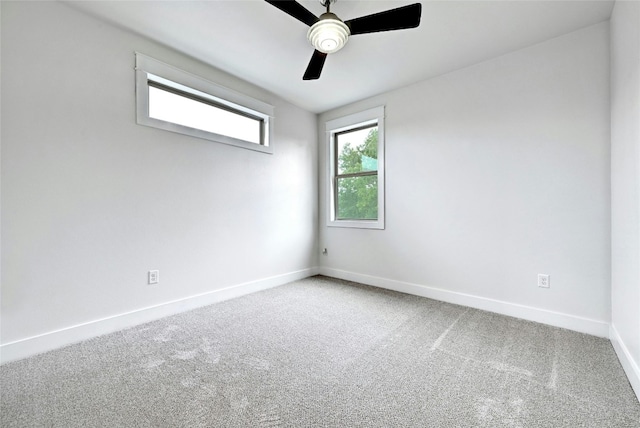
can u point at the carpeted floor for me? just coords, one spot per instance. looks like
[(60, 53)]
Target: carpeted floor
[(325, 353)]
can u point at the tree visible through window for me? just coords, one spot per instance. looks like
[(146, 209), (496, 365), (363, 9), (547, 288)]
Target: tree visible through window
[(356, 183)]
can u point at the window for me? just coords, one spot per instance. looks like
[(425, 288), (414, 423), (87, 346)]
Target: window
[(356, 170), (174, 100)]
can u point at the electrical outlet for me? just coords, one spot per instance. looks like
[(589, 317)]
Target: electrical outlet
[(543, 280), (154, 276)]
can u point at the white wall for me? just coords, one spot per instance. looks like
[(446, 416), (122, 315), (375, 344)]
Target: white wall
[(625, 185), (495, 173), (91, 201)]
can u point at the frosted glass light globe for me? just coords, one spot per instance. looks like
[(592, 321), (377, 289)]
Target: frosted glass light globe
[(328, 35)]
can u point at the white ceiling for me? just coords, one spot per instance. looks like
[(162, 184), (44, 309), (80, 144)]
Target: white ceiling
[(257, 42)]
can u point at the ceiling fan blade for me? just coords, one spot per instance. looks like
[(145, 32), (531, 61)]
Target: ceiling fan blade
[(394, 19), (296, 10), (315, 66)]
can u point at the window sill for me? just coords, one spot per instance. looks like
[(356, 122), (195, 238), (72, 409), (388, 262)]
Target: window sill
[(357, 224)]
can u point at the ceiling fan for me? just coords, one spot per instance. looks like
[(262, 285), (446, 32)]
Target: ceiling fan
[(328, 33)]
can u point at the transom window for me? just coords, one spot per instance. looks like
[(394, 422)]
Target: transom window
[(174, 100)]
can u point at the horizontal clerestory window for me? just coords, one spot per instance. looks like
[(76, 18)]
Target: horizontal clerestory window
[(174, 100)]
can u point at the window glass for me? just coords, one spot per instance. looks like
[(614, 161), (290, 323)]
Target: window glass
[(357, 198), (357, 150), (186, 111)]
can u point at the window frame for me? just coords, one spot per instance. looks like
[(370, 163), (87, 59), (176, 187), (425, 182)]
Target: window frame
[(334, 128), (166, 77)]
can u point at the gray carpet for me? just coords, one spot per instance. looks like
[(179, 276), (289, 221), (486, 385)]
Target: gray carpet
[(325, 353)]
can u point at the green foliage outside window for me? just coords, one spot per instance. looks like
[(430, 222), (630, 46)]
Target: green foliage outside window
[(357, 196)]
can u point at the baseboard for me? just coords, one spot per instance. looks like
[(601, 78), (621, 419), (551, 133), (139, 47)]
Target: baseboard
[(56, 339), (556, 319), (629, 365)]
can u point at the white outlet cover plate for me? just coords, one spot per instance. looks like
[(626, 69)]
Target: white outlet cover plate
[(543, 280), (154, 276)]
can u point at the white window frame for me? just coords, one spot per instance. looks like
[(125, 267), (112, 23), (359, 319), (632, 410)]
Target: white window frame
[(336, 126), (148, 68)]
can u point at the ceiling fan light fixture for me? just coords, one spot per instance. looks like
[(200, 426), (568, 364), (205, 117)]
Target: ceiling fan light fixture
[(329, 34)]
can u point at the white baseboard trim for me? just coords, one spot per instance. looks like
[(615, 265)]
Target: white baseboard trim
[(629, 365), (556, 319), (56, 339)]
